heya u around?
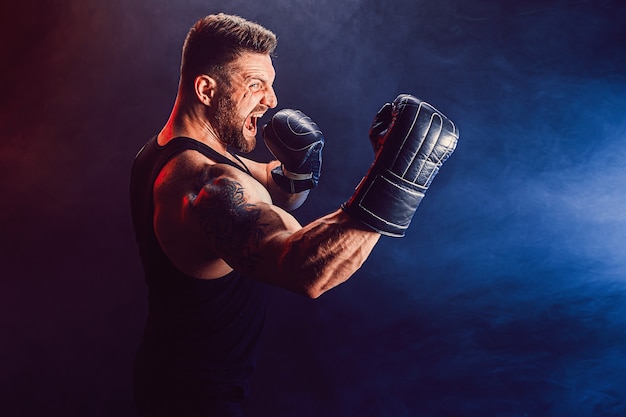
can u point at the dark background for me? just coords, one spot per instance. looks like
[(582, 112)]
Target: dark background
[(506, 298)]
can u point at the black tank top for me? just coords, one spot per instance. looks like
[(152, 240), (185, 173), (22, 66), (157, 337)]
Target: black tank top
[(199, 332)]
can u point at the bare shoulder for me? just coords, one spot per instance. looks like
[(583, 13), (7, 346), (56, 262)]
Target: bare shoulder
[(188, 172), (207, 214)]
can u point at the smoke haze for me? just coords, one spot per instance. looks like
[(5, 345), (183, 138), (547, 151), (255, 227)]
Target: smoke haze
[(507, 296)]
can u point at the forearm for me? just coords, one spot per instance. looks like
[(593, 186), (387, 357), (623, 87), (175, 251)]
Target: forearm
[(286, 201), (324, 254), (262, 172)]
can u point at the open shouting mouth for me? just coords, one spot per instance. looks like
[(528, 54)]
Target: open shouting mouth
[(251, 123)]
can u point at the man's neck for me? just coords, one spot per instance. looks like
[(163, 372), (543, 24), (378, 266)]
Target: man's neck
[(190, 122)]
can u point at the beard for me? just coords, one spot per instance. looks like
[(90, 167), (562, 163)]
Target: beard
[(227, 125)]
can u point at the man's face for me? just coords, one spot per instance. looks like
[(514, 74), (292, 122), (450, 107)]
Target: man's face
[(249, 96)]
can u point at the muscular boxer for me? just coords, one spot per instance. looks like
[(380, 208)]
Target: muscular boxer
[(213, 227)]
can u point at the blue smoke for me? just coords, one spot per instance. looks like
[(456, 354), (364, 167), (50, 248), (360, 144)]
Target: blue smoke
[(506, 297)]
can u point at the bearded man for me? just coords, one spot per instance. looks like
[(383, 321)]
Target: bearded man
[(213, 228)]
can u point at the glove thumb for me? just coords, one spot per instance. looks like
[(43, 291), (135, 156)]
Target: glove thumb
[(380, 125)]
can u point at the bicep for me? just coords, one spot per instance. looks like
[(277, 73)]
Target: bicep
[(242, 228)]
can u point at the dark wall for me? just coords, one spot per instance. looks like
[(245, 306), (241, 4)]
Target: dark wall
[(506, 298)]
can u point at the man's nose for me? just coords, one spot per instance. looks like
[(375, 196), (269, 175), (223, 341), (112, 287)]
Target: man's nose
[(270, 99)]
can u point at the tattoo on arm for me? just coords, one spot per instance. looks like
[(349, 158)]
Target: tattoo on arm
[(231, 222)]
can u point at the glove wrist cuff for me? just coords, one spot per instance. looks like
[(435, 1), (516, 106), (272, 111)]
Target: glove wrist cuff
[(292, 183), (385, 203), (296, 177)]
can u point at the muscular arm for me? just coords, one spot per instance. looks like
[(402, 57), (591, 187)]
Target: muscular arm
[(262, 241), (210, 217)]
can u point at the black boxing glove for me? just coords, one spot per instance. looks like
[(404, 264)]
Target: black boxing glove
[(296, 141), (412, 140)]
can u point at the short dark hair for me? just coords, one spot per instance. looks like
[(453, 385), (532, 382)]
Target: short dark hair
[(217, 40)]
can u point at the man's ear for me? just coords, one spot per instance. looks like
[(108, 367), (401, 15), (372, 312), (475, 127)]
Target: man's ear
[(204, 87)]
